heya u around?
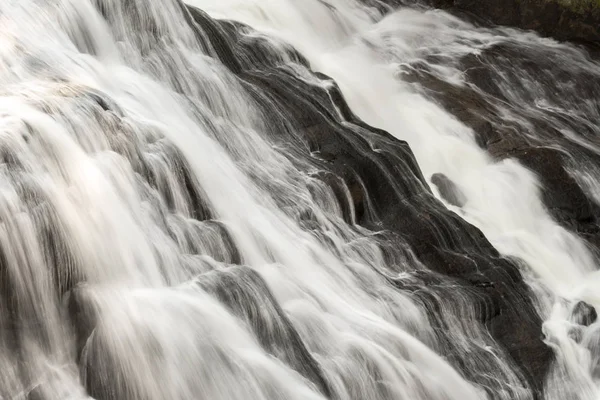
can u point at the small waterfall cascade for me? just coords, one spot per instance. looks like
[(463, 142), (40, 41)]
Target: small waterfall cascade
[(285, 199)]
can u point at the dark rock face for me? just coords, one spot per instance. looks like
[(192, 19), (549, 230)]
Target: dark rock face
[(563, 197), (574, 21), (584, 314), (498, 82), (448, 190)]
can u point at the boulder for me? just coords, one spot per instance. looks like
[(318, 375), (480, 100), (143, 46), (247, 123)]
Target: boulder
[(584, 314), (448, 190)]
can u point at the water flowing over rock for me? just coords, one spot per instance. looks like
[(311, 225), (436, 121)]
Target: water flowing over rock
[(584, 314), (230, 199)]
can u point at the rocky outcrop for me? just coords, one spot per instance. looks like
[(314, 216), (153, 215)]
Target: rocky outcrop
[(575, 20), (584, 314)]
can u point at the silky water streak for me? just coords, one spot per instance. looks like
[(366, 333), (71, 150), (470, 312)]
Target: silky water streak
[(167, 233)]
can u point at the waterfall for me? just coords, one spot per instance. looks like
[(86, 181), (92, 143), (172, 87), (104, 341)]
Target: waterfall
[(293, 199)]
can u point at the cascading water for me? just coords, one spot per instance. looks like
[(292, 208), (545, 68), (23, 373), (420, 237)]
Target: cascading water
[(191, 206)]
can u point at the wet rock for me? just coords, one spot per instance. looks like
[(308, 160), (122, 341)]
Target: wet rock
[(448, 190), (506, 145), (563, 197), (584, 314), (564, 20)]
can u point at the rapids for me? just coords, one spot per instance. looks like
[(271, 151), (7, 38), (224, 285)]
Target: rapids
[(284, 199)]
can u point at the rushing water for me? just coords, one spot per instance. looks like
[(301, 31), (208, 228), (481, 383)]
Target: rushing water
[(168, 232)]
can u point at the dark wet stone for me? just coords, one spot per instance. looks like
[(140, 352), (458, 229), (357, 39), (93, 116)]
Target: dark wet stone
[(584, 314), (563, 197), (575, 21), (448, 190)]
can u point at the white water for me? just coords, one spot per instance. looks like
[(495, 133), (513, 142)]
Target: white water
[(74, 169)]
